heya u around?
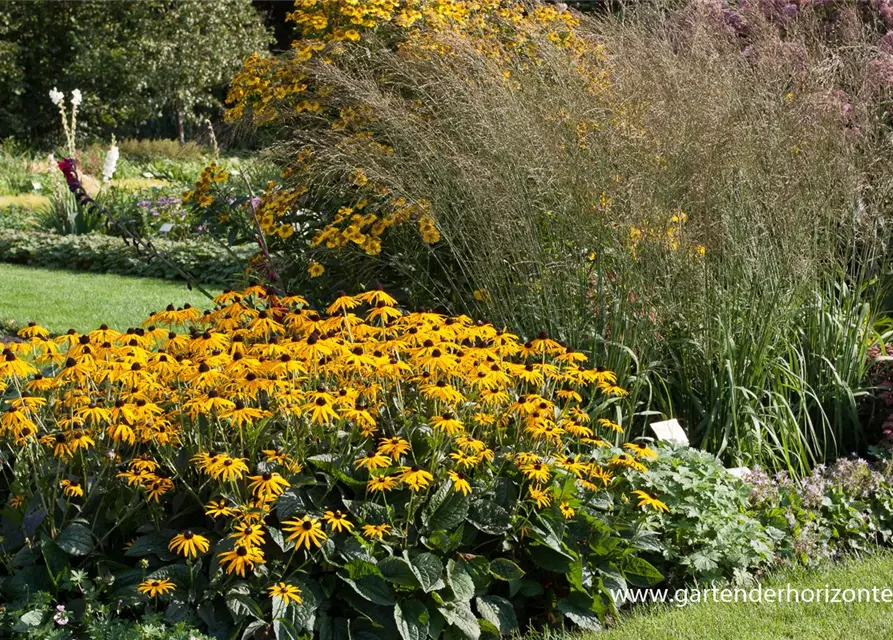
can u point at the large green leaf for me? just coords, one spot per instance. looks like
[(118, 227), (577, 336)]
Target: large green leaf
[(152, 543), (75, 540), (412, 618), (505, 569), (397, 570), (640, 573), (499, 612), (489, 517), (446, 509), (366, 579), (427, 568), (583, 610), (460, 581), (460, 616)]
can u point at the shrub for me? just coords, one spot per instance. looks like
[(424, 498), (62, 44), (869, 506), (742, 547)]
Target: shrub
[(391, 474), (208, 262), (708, 534)]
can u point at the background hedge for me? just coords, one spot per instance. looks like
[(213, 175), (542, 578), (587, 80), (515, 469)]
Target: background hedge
[(209, 263)]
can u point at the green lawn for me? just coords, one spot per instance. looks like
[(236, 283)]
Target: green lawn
[(59, 300), (751, 621)]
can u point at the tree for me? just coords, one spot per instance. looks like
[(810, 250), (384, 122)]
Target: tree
[(136, 62)]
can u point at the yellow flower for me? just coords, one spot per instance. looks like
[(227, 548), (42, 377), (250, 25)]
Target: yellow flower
[(460, 482), (155, 588), (376, 530), (189, 544), (72, 488), (338, 521), (416, 477), (267, 485), (566, 510), (288, 592), (306, 531), (218, 508), (647, 500), (382, 483), (315, 269), (241, 558)]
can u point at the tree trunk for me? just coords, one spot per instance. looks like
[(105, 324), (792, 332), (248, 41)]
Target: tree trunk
[(180, 131)]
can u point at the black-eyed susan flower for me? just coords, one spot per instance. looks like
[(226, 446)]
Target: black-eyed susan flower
[(378, 531), (72, 488), (415, 477), (267, 485), (372, 462), (306, 531), (155, 588), (460, 482), (189, 544), (566, 510), (248, 534), (647, 500), (219, 509), (240, 559), (287, 592), (382, 483), (338, 521)]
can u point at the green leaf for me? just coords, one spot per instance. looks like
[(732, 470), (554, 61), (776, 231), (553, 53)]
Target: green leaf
[(460, 581), (398, 571), (412, 619), (367, 580), (505, 569), (427, 568), (75, 540), (640, 573), (153, 543), (29, 621), (56, 560), (460, 616), (489, 517), (446, 509), (582, 610), (499, 612)]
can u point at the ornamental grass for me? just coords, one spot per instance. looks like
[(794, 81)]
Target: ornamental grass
[(264, 463)]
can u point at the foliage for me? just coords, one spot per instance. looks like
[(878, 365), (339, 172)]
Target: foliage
[(708, 534), (846, 507), (136, 64), (37, 619), (708, 218), (209, 262), (401, 476)]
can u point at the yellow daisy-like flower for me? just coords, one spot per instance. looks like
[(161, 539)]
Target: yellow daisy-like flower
[(155, 588), (189, 544), (382, 483), (338, 521), (306, 532), (314, 269), (376, 530), (647, 500), (72, 488), (288, 592), (566, 510), (460, 482), (267, 485), (416, 477), (241, 558)]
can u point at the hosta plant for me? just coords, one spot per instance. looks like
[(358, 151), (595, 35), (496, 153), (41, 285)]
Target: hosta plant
[(265, 468)]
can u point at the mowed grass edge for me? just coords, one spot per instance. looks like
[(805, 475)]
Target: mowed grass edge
[(60, 300)]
